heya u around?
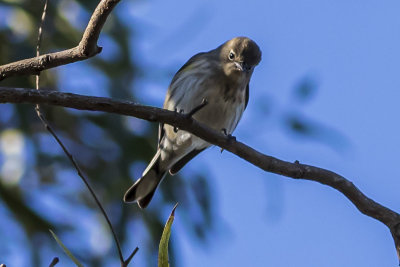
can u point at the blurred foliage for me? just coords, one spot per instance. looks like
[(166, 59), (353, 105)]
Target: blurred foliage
[(48, 193), (305, 89), (66, 250), (297, 123), (39, 189)]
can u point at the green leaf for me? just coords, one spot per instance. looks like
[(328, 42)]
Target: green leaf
[(72, 257), (163, 247)]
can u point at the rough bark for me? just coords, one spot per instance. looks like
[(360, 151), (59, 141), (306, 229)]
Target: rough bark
[(86, 48), (267, 163)]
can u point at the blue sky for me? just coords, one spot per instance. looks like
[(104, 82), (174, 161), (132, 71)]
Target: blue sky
[(351, 50)]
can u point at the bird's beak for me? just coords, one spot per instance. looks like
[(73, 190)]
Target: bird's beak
[(242, 66), (239, 66)]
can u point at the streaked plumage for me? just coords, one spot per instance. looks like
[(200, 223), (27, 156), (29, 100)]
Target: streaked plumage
[(221, 76)]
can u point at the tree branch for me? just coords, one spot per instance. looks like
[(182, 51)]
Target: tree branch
[(54, 262), (86, 48), (267, 163)]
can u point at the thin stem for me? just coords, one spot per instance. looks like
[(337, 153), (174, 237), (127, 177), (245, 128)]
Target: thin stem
[(75, 164), (54, 262), (128, 260), (204, 102), (71, 158)]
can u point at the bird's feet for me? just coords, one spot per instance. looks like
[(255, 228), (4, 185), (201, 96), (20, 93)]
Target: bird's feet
[(181, 111), (230, 137)]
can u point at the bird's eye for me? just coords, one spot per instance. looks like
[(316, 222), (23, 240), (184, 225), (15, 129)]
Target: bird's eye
[(231, 55)]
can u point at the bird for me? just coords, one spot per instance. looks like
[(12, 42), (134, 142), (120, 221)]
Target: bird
[(218, 81)]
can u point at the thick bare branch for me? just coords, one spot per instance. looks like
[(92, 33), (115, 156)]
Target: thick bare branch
[(87, 47), (270, 164)]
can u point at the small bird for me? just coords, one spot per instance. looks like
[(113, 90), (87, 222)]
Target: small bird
[(218, 79)]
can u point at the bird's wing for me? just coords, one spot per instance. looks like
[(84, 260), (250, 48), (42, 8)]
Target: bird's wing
[(187, 66), (247, 96), (161, 133), (182, 162)]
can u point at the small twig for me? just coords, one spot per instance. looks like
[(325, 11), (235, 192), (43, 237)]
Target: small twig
[(71, 158), (40, 33), (54, 262), (39, 40), (75, 164), (196, 109), (128, 260), (204, 103), (37, 107)]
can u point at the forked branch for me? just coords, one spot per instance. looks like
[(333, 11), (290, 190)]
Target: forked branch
[(86, 48)]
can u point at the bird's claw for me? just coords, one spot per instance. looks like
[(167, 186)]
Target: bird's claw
[(181, 111), (231, 138)]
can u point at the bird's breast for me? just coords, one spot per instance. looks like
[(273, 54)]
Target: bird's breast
[(224, 109)]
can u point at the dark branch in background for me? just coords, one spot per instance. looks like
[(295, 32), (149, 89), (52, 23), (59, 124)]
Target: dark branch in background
[(54, 262), (80, 173), (270, 164), (86, 48), (37, 83), (89, 41)]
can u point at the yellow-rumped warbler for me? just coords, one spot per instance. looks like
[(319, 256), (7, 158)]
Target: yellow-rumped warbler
[(221, 77)]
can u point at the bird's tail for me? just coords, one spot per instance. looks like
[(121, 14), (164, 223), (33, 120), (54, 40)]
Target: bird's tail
[(142, 190)]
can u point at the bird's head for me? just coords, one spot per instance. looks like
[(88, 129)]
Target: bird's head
[(239, 56)]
